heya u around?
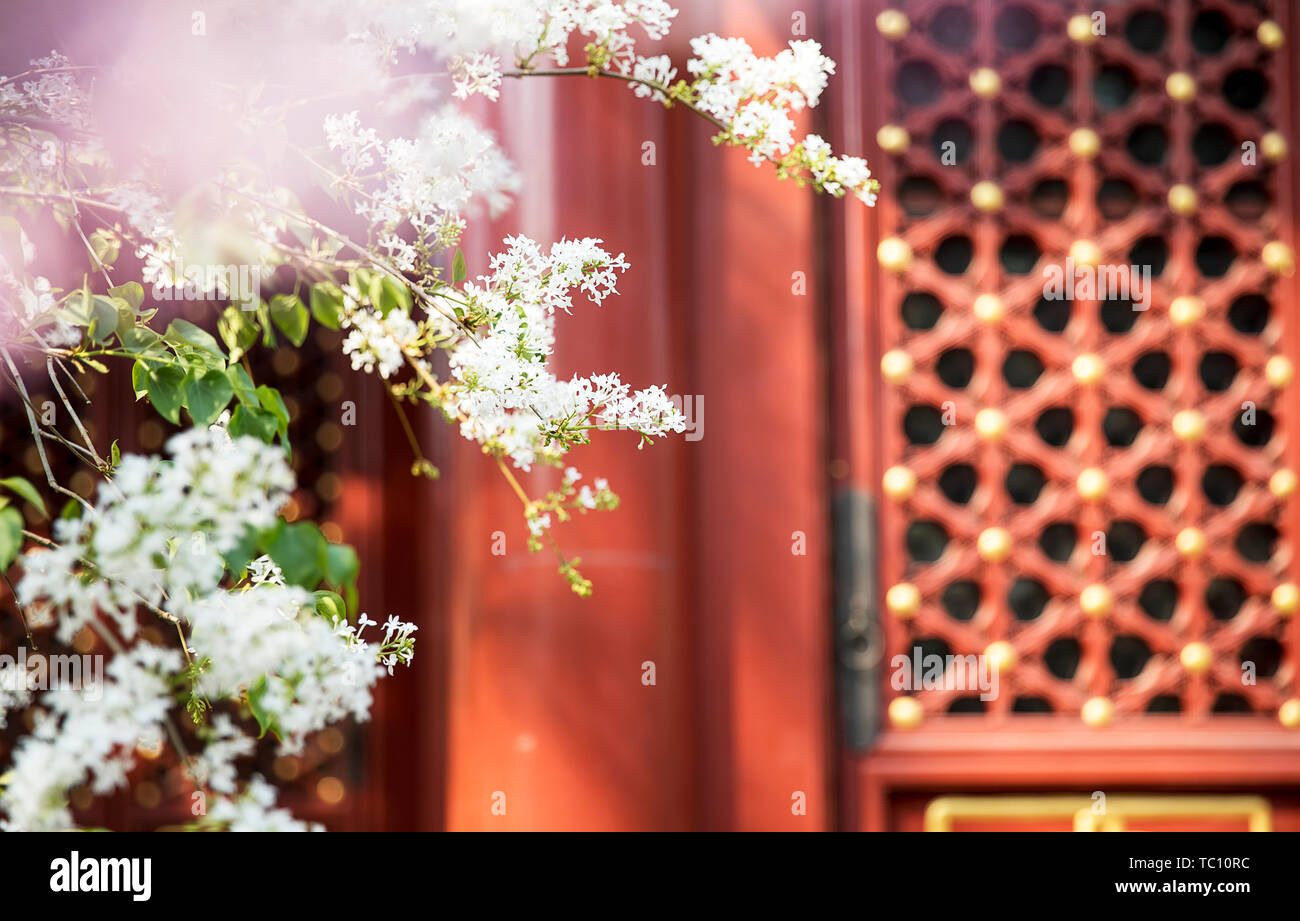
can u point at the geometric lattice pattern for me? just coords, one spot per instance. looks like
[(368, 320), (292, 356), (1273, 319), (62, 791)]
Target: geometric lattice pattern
[(1094, 490)]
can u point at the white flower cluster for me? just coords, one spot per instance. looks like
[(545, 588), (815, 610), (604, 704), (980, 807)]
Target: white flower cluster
[(431, 181), (54, 94), (606, 23), (156, 537), (755, 96), (254, 811), (315, 673), (376, 340), (506, 392), (158, 531), (77, 739), (476, 36)]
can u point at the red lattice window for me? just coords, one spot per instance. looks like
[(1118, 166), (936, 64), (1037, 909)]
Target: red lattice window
[(1095, 494)]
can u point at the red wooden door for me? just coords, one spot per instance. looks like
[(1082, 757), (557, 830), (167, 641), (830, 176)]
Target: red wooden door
[(695, 571), (1094, 492)]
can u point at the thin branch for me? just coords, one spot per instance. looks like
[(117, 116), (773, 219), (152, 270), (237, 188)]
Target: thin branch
[(40, 445), (626, 78), (360, 250), (85, 436), (19, 192)]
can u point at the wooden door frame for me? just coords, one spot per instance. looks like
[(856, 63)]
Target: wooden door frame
[(1048, 753)]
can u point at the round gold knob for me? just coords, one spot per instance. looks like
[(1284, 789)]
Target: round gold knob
[(1286, 598), (1282, 483), (1097, 711), (990, 424), (903, 600), (1088, 368), (1186, 310), (985, 82), (1190, 542), (898, 483), (1084, 143), (1079, 28), (994, 544), (988, 309), (1278, 258), (1182, 199), (1085, 252), (1180, 87), (1273, 146), (905, 713), (1096, 600), (1270, 34), (1278, 370), (1188, 425), (1001, 656), (1092, 484), (1289, 713), (894, 254), (986, 196), (1196, 658), (896, 366), (893, 138)]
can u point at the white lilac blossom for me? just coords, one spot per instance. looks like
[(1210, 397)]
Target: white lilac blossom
[(225, 742), (155, 538), (254, 811), (431, 180), (475, 36), (476, 73), (505, 392), (158, 531), (754, 97), (377, 341), (78, 739), (658, 70), (306, 673)]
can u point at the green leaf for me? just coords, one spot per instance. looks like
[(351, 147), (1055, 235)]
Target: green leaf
[(107, 317), (250, 420), (290, 317), (94, 311), (25, 489), (330, 605), (327, 304), (238, 331), (183, 332), (140, 378), (458, 270), (11, 536), (106, 245), (131, 292), (267, 327), (163, 385), (125, 316), (393, 295), (341, 564), (238, 556), (141, 340), (114, 454), (206, 395), (299, 550), (256, 695), (271, 401), (243, 385)]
